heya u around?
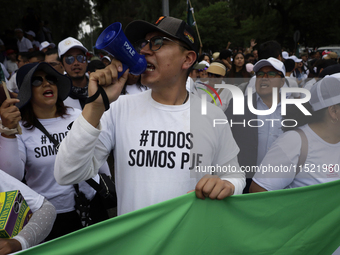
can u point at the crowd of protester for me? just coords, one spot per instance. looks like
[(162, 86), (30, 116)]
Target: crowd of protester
[(51, 82)]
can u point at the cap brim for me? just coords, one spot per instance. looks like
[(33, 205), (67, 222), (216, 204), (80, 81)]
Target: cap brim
[(73, 47), (64, 84), (265, 62), (261, 64), (216, 70), (199, 66), (137, 30)]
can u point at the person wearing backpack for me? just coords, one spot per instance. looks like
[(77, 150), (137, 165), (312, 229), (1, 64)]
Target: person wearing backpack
[(322, 130)]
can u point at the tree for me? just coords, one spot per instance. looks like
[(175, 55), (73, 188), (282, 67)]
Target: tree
[(216, 26), (64, 16), (218, 21), (279, 19)]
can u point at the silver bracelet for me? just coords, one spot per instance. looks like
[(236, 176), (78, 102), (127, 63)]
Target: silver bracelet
[(7, 131)]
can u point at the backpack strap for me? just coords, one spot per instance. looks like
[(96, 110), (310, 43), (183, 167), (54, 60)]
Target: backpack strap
[(303, 150)]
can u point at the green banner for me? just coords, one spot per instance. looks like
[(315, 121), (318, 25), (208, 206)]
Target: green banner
[(190, 17), (295, 221)]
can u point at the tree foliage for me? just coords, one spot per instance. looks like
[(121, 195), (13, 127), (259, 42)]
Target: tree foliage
[(216, 32), (279, 19), (64, 16), (218, 21)]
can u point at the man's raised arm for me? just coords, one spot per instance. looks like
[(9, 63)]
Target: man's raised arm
[(81, 153)]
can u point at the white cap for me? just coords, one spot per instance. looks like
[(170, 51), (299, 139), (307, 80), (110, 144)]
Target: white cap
[(45, 44), (285, 54), (31, 33), (249, 67), (274, 62), (325, 92), (107, 57), (18, 29), (68, 44), (205, 63), (296, 60)]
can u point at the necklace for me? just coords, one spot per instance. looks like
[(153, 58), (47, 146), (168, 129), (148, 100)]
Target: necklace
[(186, 99)]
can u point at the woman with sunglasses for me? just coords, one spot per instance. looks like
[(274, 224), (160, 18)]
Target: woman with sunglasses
[(238, 71), (31, 156)]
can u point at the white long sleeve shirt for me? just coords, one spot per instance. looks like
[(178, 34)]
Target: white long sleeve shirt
[(160, 151)]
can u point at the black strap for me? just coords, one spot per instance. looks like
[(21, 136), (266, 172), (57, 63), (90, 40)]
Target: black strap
[(38, 125), (91, 182), (102, 191), (76, 187), (81, 98), (102, 92)]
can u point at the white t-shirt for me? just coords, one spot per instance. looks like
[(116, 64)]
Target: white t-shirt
[(24, 45), (11, 66), (74, 103), (12, 84), (293, 84), (134, 89), (191, 86), (38, 156), (36, 44), (322, 163), (7, 75), (152, 145), (9, 183), (158, 166)]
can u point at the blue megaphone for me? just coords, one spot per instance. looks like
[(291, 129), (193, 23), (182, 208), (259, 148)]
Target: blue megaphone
[(114, 41)]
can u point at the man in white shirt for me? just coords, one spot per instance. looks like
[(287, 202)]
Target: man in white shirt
[(72, 55), (30, 36), (159, 137), (255, 133), (24, 45)]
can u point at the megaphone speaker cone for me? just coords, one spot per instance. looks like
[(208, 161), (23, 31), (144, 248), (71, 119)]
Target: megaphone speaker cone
[(114, 41)]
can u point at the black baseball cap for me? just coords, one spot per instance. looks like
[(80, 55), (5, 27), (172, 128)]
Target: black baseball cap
[(176, 28)]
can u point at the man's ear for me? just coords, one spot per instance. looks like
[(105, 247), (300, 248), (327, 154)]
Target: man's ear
[(332, 110), (190, 59)]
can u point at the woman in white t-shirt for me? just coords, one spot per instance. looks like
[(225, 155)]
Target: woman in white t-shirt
[(39, 225), (322, 131), (41, 93)]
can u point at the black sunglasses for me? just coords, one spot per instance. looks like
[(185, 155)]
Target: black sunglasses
[(38, 80), (70, 59), (155, 43), (270, 74)]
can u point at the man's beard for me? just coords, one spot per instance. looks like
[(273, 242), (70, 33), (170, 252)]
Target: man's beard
[(77, 77)]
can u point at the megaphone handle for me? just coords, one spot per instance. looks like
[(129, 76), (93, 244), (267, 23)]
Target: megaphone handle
[(124, 69)]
